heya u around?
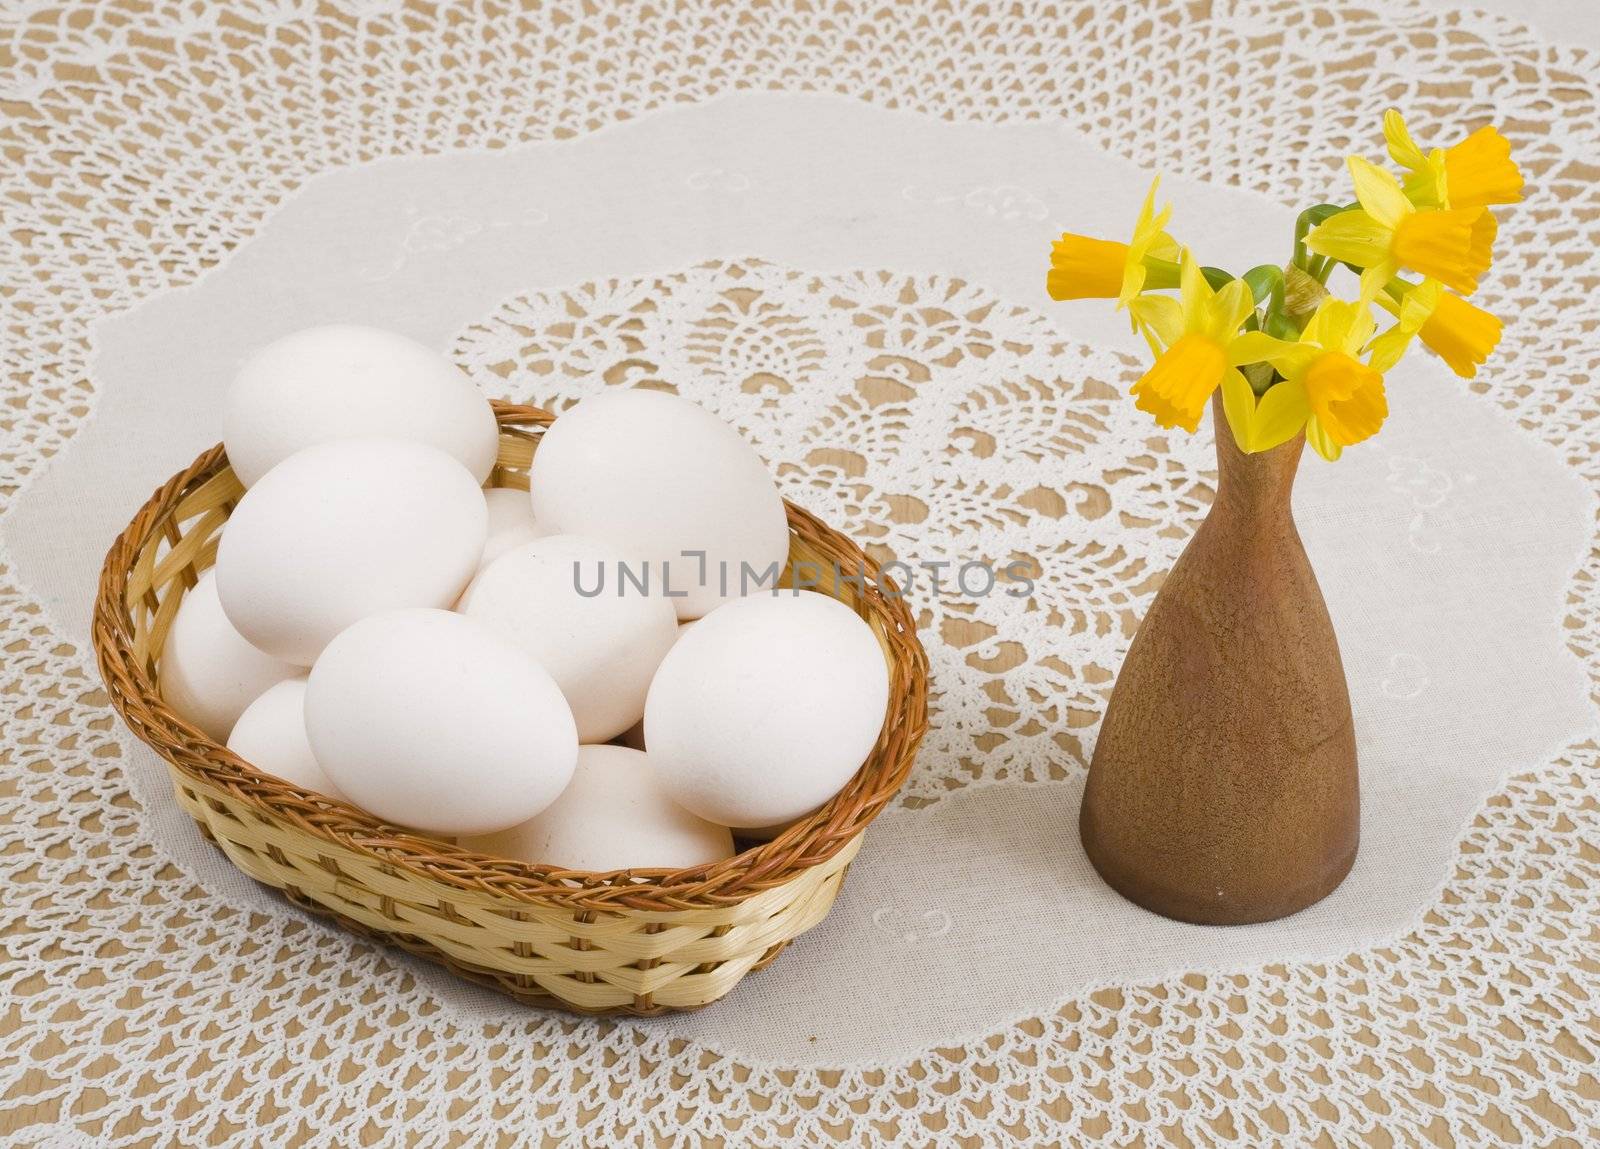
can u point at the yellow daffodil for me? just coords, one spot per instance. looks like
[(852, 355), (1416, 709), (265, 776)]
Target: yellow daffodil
[(1387, 233), (1476, 172), (1344, 396), (1082, 267), (1460, 333), (1312, 364), (1202, 344)]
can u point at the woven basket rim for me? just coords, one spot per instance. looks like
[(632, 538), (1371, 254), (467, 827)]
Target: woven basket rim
[(809, 842)]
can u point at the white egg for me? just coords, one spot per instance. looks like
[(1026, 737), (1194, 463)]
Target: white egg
[(347, 382), (602, 648), (345, 530), (208, 672), (765, 709), (511, 522), (428, 720), (614, 816), (664, 479), (271, 736)]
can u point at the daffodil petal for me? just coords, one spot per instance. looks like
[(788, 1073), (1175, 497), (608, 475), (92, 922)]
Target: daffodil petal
[(1239, 405), (1193, 290), (1378, 192), (1353, 237), (1359, 329), (1425, 185), (1374, 279), (1229, 308), (1133, 277), (1147, 233), (1320, 443), (1148, 210), (1315, 334), (1163, 246), (1259, 347), (1264, 423), (1387, 348), (1280, 414), (1403, 149), (1160, 316), (1340, 325), (1420, 302)]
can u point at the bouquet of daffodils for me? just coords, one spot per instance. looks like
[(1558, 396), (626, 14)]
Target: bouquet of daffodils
[(1287, 354)]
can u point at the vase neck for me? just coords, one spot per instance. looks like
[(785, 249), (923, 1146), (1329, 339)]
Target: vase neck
[(1259, 485)]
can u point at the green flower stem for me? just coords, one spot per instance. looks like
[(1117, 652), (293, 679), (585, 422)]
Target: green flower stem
[(1302, 225), (1159, 274), (1280, 326), (1397, 289), (1266, 288)]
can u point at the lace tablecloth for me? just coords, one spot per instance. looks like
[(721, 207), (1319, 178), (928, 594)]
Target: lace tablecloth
[(829, 224)]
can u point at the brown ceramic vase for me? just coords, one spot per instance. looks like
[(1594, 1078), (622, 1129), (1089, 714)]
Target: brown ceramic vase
[(1223, 788)]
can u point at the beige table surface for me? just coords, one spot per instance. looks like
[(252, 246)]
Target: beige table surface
[(122, 124)]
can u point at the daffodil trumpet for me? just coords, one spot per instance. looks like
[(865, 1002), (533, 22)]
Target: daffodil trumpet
[(1288, 354)]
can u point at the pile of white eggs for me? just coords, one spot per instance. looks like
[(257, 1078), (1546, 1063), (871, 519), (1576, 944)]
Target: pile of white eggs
[(381, 629)]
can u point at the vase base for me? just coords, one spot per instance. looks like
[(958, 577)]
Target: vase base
[(1189, 905)]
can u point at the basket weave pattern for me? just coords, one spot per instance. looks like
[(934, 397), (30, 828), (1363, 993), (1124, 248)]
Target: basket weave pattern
[(641, 942)]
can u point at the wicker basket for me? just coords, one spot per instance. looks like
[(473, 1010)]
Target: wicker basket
[(639, 942)]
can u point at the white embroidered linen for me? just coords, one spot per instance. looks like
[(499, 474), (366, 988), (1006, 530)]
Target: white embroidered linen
[(834, 238)]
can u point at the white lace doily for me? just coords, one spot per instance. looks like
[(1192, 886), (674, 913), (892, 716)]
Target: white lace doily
[(829, 228)]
